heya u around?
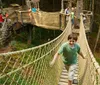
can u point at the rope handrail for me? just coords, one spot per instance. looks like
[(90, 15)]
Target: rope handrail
[(88, 67), (23, 11)]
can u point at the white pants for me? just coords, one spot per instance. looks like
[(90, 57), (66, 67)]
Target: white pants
[(71, 71)]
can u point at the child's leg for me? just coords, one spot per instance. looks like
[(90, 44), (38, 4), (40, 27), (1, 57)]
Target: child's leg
[(72, 20), (67, 67), (71, 73), (69, 82)]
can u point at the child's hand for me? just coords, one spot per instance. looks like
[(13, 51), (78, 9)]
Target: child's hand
[(51, 64), (85, 56)]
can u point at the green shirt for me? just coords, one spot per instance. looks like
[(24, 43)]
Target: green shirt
[(69, 53), (72, 15)]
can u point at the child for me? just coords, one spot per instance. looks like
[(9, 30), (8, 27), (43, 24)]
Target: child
[(6, 15), (67, 11), (1, 20), (69, 51), (84, 19), (72, 17)]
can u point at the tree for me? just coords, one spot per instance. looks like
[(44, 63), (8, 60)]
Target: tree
[(79, 8), (98, 36), (0, 4)]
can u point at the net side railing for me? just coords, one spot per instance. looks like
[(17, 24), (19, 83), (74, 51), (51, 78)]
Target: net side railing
[(13, 17), (31, 66), (20, 16), (24, 16), (89, 70)]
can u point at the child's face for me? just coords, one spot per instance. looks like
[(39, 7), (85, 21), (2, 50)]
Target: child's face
[(71, 42)]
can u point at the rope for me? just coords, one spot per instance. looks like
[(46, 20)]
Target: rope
[(87, 72)]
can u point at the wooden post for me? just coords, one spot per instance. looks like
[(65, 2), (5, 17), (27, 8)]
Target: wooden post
[(1, 4), (64, 21), (33, 35), (79, 8), (28, 3), (60, 21), (21, 17), (38, 6), (30, 35), (98, 36), (62, 6), (70, 4), (92, 20), (16, 16)]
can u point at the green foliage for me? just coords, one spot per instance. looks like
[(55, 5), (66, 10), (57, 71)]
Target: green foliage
[(86, 4), (97, 58), (17, 77), (39, 36), (92, 37), (19, 45)]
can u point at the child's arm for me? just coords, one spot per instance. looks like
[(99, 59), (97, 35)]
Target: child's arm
[(81, 54), (54, 59)]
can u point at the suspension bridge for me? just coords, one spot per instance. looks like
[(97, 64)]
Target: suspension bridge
[(31, 66)]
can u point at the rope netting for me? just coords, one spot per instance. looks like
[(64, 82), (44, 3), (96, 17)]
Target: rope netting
[(89, 70), (31, 66)]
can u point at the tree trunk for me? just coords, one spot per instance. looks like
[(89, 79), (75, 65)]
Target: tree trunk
[(92, 20), (70, 4), (79, 8), (98, 35)]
